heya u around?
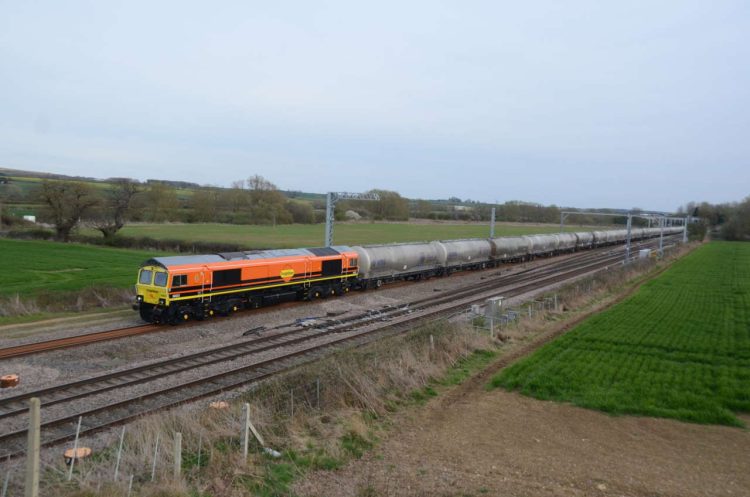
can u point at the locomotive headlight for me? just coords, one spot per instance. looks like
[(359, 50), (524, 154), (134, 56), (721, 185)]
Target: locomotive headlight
[(139, 298), (162, 301)]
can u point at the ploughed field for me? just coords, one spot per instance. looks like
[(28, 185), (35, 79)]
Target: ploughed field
[(30, 267), (678, 348)]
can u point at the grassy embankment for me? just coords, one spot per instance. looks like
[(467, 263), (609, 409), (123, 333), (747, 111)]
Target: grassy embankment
[(678, 348), (42, 277), (33, 266)]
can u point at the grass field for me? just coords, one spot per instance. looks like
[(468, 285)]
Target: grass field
[(311, 235), (678, 348), (33, 266)]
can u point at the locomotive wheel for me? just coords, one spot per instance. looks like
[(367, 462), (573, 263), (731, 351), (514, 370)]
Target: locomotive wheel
[(315, 293)]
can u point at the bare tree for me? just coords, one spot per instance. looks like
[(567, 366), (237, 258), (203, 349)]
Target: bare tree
[(115, 207), (267, 203), (67, 202)]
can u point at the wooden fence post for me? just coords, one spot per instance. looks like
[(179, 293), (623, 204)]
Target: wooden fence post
[(200, 448), (32, 454), (177, 454)]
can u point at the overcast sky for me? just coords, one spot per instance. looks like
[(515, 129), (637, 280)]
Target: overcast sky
[(577, 103)]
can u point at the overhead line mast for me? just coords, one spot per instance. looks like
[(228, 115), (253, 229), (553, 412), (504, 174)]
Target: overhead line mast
[(331, 199), (663, 220)]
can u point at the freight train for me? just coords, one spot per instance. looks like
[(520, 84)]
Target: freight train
[(180, 288)]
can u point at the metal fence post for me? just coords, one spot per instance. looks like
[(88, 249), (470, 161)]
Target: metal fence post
[(75, 449), (246, 431), (156, 453), (7, 479), (119, 453)]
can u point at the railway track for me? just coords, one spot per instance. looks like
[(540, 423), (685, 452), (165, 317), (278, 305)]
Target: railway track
[(89, 338), (73, 341), (287, 345)]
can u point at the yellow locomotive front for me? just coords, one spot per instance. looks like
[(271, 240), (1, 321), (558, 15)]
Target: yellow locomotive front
[(151, 290)]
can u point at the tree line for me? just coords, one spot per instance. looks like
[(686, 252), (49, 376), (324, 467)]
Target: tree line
[(108, 205), (729, 221)]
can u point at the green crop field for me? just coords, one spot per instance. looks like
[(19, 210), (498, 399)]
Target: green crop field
[(678, 348), (311, 235), (29, 267)]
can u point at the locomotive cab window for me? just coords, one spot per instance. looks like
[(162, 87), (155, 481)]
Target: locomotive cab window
[(160, 279), (145, 278), (353, 262), (179, 280)]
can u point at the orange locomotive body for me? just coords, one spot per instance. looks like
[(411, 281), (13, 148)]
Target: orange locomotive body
[(179, 288)]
